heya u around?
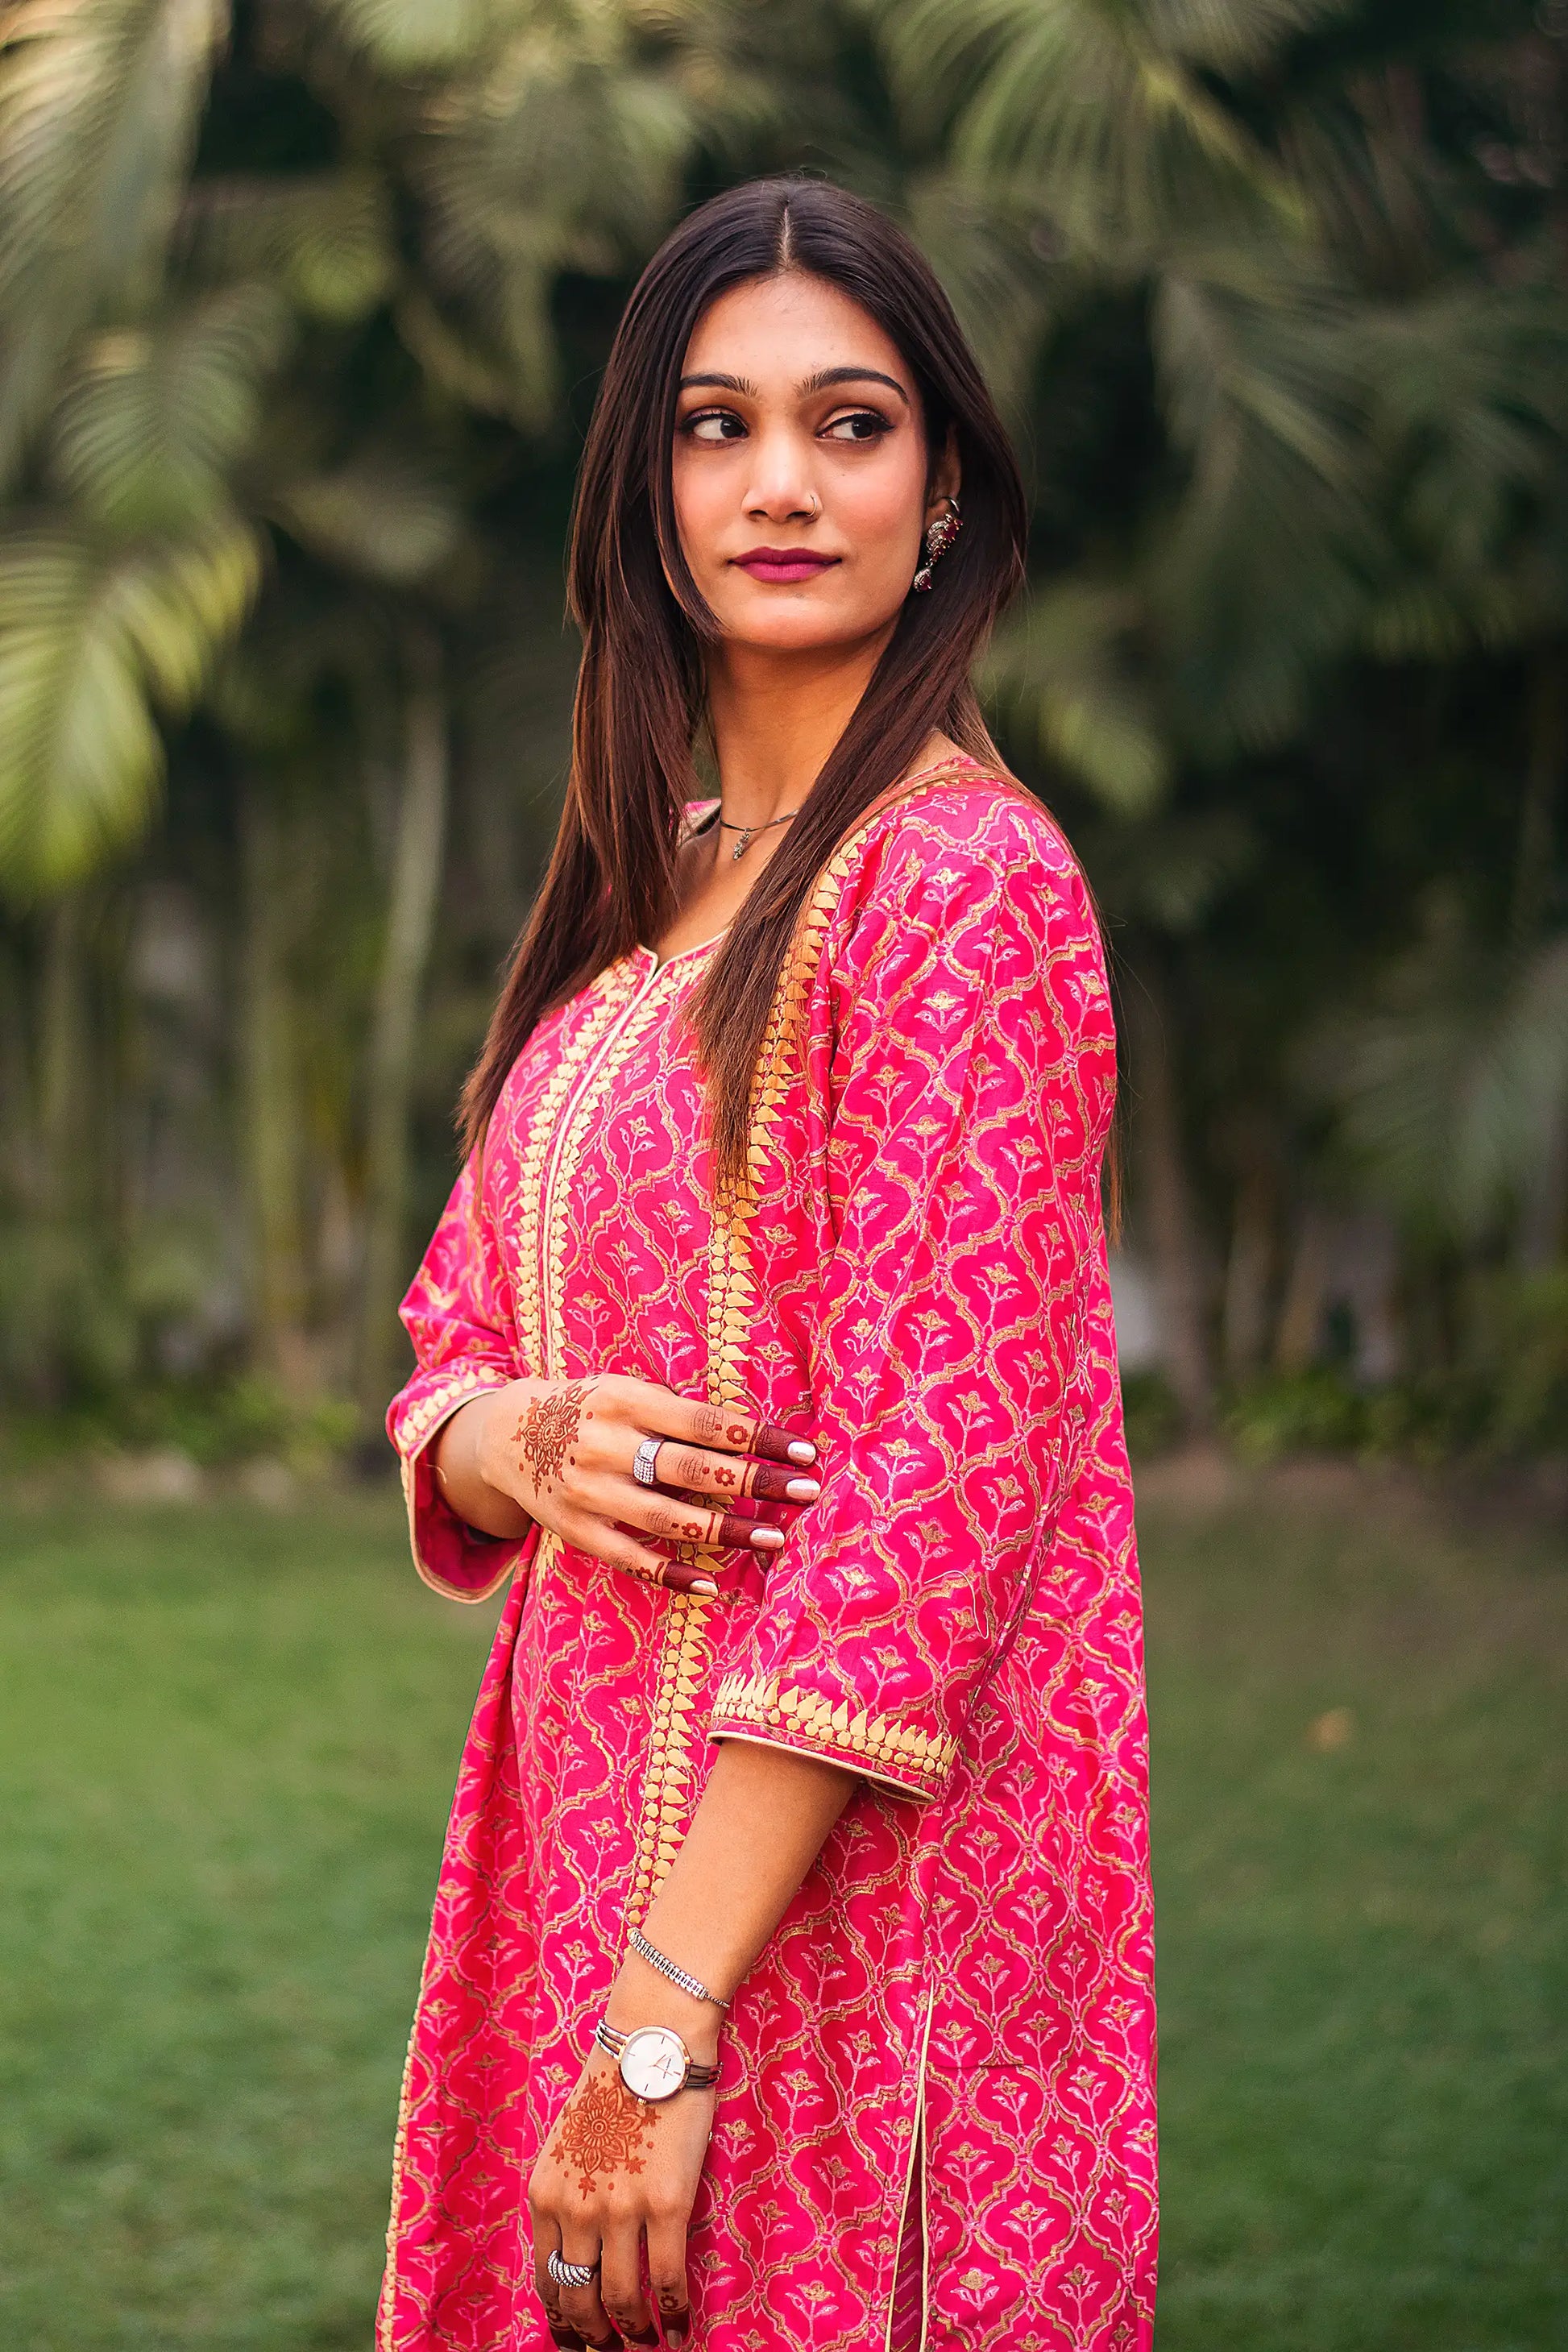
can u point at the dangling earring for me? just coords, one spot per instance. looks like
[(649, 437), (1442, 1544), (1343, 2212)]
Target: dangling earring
[(940, 536)]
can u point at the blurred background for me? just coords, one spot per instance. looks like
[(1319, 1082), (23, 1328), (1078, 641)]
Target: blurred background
[(302, 305)]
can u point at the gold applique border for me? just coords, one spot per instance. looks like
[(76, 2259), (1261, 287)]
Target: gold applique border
[(667, 1783), (439, 1403), (639, 1016), (673, 1742), (531, 1169), (883, 1744)]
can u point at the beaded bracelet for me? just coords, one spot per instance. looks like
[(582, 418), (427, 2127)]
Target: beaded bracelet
[(667, 1968)]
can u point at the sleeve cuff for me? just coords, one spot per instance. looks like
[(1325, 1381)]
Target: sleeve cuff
[(883, 1747), (452, 1558)]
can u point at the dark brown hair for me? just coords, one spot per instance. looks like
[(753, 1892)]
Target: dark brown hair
[(610, 885)]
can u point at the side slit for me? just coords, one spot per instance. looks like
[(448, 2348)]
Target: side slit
[(910, 2301)]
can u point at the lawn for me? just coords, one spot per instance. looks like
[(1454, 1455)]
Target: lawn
[(226, 1743)]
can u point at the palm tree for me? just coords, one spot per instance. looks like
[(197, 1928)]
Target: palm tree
[(1361, 427)]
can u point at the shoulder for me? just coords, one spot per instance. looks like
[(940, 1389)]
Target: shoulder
[(966, 848)]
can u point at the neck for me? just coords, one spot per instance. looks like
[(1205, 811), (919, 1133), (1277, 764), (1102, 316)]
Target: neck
[(775, 717)]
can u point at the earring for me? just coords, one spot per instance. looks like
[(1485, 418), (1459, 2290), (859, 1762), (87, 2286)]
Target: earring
[(940, 536)]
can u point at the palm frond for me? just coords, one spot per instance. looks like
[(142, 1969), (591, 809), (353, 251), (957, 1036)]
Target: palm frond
[(1006, 295), (1063, 676), (99, 105), (326, 236), (1451, 1090), (414, 37), (91, 637), (383, 516), (145, 435), (1267, 567), (1470, 405), (1104, 110), (566, 154)]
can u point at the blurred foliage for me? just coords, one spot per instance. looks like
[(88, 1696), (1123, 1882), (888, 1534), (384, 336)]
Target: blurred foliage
[(302, 305), (1501, 1396)]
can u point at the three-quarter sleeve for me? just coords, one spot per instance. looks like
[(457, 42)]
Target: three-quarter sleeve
[(457, 1316), (964, 1122)]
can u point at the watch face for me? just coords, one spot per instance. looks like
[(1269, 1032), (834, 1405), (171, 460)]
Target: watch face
[(654, 2062)]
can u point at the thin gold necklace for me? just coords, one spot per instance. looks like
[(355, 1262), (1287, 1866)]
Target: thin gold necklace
[(748, 833)]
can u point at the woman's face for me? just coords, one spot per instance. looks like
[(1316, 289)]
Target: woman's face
[(800, 467)]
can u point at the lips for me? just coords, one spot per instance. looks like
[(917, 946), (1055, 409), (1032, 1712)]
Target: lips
[(784, 567)]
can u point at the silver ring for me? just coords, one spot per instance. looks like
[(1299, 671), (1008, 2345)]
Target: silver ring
[(570, 2274), (644, 1462)]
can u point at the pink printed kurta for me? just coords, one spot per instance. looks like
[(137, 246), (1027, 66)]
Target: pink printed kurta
[(915, 1277)]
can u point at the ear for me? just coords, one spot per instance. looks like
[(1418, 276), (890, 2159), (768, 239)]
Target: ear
[(946, 476)]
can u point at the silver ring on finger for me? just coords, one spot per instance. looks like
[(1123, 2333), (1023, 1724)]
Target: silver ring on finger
[(645, 1462), (566, 2273)]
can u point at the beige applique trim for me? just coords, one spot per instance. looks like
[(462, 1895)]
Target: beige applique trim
[(880, 1745), (505, 1552), (635, 1013), (439, 1403), (618, 984)]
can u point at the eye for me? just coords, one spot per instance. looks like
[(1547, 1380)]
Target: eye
[(859, 424), (713, 424)]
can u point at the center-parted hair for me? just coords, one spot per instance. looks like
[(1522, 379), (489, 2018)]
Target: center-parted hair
[(611, 882)]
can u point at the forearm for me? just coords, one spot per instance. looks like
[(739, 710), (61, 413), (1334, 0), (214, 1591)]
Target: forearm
[(760, 1824), (454, 1456)]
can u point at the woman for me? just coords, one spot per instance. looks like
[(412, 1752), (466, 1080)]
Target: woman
[(765, 1345)]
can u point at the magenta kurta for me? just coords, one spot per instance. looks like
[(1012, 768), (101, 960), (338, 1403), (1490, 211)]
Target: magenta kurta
[(915, 1277)]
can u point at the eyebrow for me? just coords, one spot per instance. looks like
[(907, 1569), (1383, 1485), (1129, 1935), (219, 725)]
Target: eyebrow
[(822, 380), (828, 376)]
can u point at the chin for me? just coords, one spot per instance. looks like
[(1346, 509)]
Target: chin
[(796, 627)]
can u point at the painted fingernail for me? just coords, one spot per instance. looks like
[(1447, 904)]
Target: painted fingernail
[(802, 1450), (702, 1584), (803, 1490), (767, 1539)]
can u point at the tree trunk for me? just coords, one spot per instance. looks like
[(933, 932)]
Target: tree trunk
[(1165, 1197), (1250, 1266), (1539, 1236), (405, 953), (1297, 1341), (269, 1105), (62, 1063), (1547, 757)]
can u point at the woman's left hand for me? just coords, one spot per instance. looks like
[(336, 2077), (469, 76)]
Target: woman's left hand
[(616, 2168)]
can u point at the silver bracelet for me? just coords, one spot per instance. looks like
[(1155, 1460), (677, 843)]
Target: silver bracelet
[(666, 1968)]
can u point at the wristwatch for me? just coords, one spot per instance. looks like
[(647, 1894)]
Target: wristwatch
[(654, 2061)]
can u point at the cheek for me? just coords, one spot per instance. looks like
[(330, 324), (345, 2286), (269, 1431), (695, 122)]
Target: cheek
[(882, 509), (704, 503)]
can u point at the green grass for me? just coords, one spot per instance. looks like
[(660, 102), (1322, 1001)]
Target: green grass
[(1363, 1952), (226, 1745)]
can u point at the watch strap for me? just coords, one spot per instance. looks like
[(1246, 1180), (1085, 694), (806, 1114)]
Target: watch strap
[(612, 2042)]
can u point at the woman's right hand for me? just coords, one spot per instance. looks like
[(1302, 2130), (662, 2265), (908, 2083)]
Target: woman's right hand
[(560, 1451)]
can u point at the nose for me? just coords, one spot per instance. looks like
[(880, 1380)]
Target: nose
[(780, 488)]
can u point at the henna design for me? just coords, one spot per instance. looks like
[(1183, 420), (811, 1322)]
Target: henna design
[(548, 1430), (603, 2129)]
